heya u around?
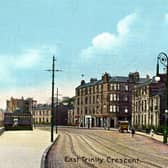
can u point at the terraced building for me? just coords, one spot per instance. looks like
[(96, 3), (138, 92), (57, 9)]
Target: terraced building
[(105, 102)]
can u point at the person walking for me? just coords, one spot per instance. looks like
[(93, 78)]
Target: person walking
[(132, 132)]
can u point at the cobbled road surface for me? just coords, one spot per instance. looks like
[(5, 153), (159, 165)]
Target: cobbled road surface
[(88, 148)]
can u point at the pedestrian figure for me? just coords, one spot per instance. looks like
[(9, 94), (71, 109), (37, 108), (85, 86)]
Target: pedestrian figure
[(105, 125), (132, 132), (151, 132)]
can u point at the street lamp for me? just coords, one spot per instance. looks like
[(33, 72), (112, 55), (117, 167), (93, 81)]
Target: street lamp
[(163, 58), (126, 111), (165, 130)]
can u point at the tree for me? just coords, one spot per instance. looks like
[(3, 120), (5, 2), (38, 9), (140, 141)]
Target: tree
[(68, 100)]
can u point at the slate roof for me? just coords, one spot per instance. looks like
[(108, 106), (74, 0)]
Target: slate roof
[(119, 79), (147, 82)]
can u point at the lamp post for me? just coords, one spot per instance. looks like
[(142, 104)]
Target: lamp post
[(126, 112), (163, 58)]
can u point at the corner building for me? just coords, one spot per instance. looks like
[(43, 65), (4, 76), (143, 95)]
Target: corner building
[(105, 102), (149, 103)]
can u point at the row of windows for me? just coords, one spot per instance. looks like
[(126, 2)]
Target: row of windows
[(142, 105), (141, 91), (116, 108), (143, 119), (113, 108), (42, 120), (89, 100), (99, 88), (42, 112)]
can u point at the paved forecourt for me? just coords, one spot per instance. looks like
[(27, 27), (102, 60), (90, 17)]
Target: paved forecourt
[(23, 148)]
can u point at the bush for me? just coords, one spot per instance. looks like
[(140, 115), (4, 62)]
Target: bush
[(160, 129)]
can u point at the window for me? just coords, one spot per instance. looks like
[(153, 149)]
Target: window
[(111, 108), (100, 87), (93, 89), (114, 97), (93, 99), (114, 86), (125, 98), (114, 108), (77, 101), (86, 111), (90, 91), (81, 92), (118, 108), (89, 99), (77, 92), (126, 87), (86, 100)]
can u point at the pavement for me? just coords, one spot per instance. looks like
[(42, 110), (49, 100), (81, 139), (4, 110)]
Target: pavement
[(23, 149), (155, 136)]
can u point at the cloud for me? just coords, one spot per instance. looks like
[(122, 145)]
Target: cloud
[(24, 60), (31, 57), (106, 42)]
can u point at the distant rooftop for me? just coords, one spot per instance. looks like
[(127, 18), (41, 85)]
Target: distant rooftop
[(117, 79)]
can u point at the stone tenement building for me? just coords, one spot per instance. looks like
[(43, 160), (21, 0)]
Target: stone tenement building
[(148, 104), (106, 101), (20, 105), (42, 114)]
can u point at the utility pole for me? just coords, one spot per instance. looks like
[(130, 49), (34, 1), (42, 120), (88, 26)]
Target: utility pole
[(56, 115), (52, 97)]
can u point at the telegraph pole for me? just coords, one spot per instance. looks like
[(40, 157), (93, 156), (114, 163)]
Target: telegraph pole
[(56, 115), (52, 98)]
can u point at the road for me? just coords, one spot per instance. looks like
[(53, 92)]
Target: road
[(82, 148), (23, 149)]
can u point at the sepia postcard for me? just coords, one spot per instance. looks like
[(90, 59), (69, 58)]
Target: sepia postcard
[(84, 84)]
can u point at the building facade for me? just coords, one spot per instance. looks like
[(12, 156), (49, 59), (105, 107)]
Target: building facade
[(42, 114), (148, 104), (21, 105), (105, 102)]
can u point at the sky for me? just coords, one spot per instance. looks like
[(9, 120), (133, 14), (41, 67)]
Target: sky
[(87, 37)]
